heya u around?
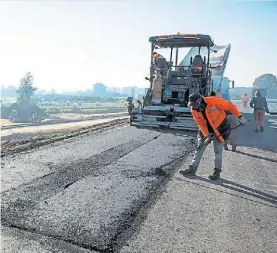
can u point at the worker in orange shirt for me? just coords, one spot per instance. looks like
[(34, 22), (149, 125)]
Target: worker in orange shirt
[(209, 115), (155, 57)]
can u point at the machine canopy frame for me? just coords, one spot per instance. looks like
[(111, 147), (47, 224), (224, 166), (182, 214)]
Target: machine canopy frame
[(182, 40)]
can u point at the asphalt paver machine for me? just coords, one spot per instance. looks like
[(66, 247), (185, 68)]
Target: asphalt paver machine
[(165, 103)]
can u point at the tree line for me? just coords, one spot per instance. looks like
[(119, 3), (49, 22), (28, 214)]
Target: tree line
[(26, 91)]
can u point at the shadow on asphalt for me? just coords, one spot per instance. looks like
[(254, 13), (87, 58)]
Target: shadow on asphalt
[(166, 130), (266, 140), (236, 187), (258, 157)]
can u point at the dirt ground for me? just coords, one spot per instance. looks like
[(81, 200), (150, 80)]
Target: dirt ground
[(29, 139), (63, 116), (5, 122), (77, 116), (22, 132), (72, 116)]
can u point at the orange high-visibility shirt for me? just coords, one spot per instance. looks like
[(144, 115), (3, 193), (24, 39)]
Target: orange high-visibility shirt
[(215, 114)]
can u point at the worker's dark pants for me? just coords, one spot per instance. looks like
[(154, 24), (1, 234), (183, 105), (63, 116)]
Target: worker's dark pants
[(233, 138), (217, 153)]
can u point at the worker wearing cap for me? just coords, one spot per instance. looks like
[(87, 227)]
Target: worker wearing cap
[(155, 57), (260, 106), (209, 115)]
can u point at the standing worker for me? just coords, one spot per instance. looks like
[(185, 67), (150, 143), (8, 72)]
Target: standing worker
[(244, 100), (260, 106), (209, 115), (130, 105)]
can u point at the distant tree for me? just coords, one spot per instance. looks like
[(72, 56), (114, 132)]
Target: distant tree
[(99, 89), (268, 81), (26, 89)]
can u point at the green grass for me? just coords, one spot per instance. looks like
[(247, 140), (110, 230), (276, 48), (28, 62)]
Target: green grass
[(84, 106), (74, 107)]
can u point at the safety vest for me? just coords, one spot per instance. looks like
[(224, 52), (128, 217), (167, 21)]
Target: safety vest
[(215, 115)]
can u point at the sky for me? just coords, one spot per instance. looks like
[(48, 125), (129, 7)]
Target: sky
[(70, 45)]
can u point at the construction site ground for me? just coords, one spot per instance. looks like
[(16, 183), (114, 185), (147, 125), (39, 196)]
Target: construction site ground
[(115, 188), (62, 122)]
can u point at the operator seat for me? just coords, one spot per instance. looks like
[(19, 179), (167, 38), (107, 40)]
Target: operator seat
[(197, 66)]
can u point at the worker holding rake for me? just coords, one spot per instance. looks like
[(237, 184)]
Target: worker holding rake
[(209, 115)]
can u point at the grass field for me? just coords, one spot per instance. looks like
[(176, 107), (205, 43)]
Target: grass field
[(86, 108), (68, 107), (96, 105)]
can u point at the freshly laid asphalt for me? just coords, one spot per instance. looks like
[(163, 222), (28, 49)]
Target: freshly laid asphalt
[(116, 192)]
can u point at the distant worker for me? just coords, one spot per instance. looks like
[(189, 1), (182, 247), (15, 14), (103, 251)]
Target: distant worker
[(218, 93), (131, 105), (233, 122), (244, 100), (209, 115), (156, 56), (260, 106)]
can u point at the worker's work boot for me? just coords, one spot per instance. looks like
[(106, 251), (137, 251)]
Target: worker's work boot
[(215, 175), (234, 148), (257, 130), (225, 146), (262, 128), (188, 172)]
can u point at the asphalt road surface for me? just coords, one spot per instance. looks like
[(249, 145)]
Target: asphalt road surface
[(116, 191)]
